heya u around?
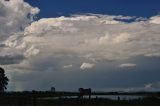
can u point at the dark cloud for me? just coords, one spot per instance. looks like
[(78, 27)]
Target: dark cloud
[(2, 45), (11, 59), (2, 10)]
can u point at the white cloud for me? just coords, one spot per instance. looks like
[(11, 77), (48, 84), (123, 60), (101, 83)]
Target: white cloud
[(67, 66), (32, 51), (152, 54), (155, 20), (123, 37), (112, 22), (86, 66), (127, 65), (87, 37), (152, 86), (14, 17), (148, 86), (91, 36)]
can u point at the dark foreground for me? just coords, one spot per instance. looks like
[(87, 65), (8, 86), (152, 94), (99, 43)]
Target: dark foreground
[(84, 102), (67, 99)]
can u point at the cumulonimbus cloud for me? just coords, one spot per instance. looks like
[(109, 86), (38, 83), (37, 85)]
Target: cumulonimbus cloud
[(90, 37), (96, 39), (51, 43)]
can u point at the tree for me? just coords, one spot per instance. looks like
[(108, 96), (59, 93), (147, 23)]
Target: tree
[(3, 80)]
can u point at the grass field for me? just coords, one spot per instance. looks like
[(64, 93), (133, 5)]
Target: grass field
[(65, 99)]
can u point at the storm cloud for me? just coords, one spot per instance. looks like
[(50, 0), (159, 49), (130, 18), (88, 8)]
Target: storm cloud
[(11, 59), (58, 49)]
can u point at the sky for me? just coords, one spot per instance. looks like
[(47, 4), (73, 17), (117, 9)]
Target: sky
[(56, 8), (106, 45)]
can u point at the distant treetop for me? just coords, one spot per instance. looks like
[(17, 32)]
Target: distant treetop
[(3, 80)]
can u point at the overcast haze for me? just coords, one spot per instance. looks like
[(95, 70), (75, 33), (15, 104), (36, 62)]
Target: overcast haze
[(68, 49)]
